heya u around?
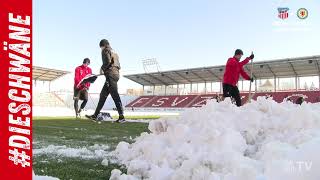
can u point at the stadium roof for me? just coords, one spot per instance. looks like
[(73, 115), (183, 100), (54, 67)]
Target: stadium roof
[(46, 74), (289, 67)]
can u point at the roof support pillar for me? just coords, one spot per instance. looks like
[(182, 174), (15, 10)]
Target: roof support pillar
[(296, 82), (197, 87), (255, 86), (165, 90), (241, 85), (221, 87), (205, 87), (154, 88), (275, 83), (177, 89)]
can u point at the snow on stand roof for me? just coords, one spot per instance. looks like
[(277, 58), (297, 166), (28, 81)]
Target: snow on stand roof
[(46, 74), (289, 67)]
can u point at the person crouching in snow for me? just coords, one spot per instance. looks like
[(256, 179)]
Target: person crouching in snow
[(81, 89), (234, 68)]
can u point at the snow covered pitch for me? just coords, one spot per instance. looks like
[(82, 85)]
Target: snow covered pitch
[(66, 148)]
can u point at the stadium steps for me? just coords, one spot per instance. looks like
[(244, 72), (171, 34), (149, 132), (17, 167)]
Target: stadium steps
[(47, 100)]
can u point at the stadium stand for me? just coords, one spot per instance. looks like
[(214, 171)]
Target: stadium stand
[(181, 101), (64, 98), (294, 68), (67, 98), (47, 99), (169, 101)]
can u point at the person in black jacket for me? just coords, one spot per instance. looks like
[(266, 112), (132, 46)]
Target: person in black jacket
[(110, 68)]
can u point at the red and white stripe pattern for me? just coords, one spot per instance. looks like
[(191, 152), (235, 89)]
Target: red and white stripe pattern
[(283, 15)]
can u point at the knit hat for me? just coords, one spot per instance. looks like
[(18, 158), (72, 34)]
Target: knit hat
[(104, 43)]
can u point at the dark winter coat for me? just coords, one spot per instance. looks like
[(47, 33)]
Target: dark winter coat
[(110, 61)]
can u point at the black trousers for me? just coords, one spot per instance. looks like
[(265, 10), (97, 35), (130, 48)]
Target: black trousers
[(232, 91), (80, 95), (110, 87)]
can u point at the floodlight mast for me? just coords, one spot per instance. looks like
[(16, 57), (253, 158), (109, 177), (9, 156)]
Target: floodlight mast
[(150, 62)]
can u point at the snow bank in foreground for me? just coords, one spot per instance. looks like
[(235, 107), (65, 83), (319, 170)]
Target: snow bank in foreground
[(263, 140), (92, 152)]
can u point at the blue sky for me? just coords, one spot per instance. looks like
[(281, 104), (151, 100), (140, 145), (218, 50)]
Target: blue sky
[(179, 34)]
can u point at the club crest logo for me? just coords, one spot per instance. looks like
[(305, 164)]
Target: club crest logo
[(302, 13), (283, 12)]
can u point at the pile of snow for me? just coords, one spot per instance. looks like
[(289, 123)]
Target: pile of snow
[(105, 162), (35, 177), (44, 178), (92, 152), (262, 140)]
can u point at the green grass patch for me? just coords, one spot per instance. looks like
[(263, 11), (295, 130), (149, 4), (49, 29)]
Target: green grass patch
[(145, 117), (64, 118), (78, 134)]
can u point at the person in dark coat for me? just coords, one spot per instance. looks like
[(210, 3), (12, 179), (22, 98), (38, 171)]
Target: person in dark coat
[(110, 68)]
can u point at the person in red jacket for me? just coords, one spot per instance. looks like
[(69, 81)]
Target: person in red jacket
[(234, 68), (81, 89)]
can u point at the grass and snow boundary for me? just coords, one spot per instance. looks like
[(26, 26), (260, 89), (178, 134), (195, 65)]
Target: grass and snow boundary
[(96, 151), (67, 148)]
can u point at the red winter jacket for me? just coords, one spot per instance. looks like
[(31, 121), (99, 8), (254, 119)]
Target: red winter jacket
[(233, 70), (81, 72)]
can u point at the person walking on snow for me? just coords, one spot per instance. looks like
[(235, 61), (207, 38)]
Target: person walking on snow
[(81, 89), (234, 68), (110, 68)]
